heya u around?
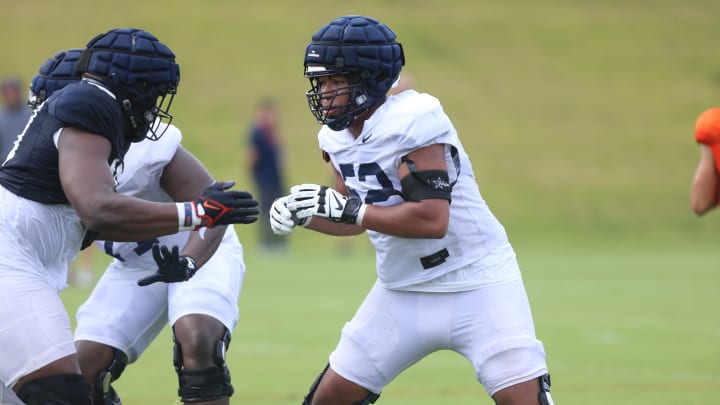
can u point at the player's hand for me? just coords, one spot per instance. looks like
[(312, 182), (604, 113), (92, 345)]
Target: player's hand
[(218, 206), (172, 267), (328, 203), (283, 220)]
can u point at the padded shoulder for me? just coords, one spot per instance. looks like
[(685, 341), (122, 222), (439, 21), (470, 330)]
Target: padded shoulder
[(88, 107), (417, 120)]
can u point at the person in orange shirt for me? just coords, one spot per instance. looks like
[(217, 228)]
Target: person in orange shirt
[(706, 181)]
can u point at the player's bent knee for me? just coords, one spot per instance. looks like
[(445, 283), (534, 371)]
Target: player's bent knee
[(206, 384), (105, 393), (544, 395), (369, 399), (66, 389)]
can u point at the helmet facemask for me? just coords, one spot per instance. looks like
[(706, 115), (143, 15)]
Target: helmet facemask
[(342, 114), (157, 118)]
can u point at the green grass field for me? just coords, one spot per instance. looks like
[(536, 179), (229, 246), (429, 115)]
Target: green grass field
[(578, 117)]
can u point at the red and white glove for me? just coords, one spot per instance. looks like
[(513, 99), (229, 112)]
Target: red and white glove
[(217, 206)]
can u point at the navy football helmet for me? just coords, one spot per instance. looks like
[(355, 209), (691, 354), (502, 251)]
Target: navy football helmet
[(56, 73), (360, 48), (141, 71)]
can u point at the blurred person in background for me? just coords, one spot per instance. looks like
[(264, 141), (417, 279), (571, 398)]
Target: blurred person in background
[(113, 331), (448, 277), (705, 189), (13, 116), (266, 165)]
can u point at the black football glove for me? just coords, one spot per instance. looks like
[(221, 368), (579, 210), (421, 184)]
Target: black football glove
[(217, 206), (172, 267)]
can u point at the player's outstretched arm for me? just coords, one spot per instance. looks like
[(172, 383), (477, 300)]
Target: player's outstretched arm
[(89, 186), (425, 213), (705, 184), (336, 214)]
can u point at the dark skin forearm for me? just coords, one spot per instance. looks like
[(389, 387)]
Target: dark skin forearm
[(202, 248), (185, 178)]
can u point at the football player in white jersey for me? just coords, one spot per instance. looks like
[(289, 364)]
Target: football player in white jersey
[(56, 185), (127, 308), (448, 277)]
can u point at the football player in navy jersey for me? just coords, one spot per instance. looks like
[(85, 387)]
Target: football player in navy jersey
[(113, 331), (57, 187), (448, 278)]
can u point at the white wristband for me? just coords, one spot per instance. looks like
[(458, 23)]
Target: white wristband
[(187, 217), (360, 215)]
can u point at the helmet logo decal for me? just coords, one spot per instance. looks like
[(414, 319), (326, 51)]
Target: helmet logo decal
[(313, 54), (316, 69)]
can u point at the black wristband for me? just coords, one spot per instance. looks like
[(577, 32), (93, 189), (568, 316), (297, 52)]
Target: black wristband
[(351, 210)]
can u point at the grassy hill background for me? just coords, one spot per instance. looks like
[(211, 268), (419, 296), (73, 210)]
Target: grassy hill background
[(578, 117)]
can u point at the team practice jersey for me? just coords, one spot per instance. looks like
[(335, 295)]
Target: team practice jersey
[(31, 168), (369, 166), (140, 177)]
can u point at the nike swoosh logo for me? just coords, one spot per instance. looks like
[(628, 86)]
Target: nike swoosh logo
[(339, 206), (366, 137)]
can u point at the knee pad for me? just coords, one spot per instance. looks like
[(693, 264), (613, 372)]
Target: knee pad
[(544, 396), (370, 399), (206, 384), (61, 389), (106, 394)]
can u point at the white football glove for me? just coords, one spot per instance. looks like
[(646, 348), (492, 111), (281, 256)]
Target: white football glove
[(326, 203), (283, 219)]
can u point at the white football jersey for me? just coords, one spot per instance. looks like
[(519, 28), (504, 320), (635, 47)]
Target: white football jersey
[(139, 177), (369, 165)]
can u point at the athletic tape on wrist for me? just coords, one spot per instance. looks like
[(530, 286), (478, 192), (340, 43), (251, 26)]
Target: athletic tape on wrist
[(187, 218)]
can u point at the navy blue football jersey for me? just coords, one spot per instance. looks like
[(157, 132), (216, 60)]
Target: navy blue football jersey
[(31, 168)]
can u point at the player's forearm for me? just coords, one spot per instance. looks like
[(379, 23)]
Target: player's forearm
[(201, 245), (423, 220), (134, 218), (705, 187), (334, 228), (704, 194)]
